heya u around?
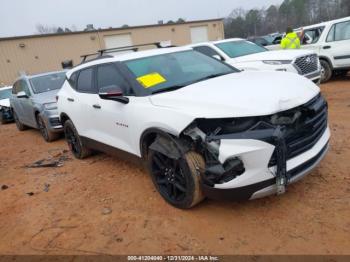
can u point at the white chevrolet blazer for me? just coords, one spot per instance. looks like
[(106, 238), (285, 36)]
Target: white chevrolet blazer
[(249, 56), (203, 128)]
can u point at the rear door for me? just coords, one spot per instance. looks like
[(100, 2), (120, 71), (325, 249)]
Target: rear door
[(338, 44), (27, 105)]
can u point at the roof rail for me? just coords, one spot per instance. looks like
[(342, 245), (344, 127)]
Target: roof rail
[(135, 48)]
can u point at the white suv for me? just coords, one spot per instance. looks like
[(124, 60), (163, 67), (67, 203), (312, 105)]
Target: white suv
[(246, 55), (331, 41), (202, 127)]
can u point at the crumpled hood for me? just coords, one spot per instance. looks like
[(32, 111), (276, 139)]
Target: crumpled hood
[(273, 55), (5, 102), (240, 95), (47, 97)]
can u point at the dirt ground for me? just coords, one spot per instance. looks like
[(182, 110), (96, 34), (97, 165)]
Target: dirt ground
[(103, 205)]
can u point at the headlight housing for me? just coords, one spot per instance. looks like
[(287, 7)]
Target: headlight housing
[(50, 106), (277, 62)]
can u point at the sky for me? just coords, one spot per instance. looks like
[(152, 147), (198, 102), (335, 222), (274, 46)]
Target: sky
[(20, 17)]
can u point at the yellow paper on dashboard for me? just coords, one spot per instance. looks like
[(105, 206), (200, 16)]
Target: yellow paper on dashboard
[(150, 80)]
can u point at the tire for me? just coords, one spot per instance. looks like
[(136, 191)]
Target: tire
[(326, 71), (178, 181), (74, 141), (46, 134), (19, 125)]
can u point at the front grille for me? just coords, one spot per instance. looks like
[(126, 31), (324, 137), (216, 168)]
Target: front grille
[(308, 130), (306, 64)]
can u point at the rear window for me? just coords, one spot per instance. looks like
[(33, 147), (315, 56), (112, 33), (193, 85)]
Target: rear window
[(240, 48), (46, 83)]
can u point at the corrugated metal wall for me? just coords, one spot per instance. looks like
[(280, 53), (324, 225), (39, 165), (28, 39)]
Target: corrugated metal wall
[(38, 54)]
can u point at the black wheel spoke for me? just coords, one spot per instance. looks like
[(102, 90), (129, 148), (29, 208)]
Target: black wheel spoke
[(168, 176), (179, 187)]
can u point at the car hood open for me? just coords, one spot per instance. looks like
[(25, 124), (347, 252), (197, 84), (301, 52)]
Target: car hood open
[(273, 55), (240, 95)]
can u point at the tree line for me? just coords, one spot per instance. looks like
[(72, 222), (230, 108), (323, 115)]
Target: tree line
[(293, 13)]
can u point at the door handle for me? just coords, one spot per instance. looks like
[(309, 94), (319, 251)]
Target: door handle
[(327, 47), (70, 99), (96, 106)]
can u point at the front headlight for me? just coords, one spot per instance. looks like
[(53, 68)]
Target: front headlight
[(277, 62), (50, 106)]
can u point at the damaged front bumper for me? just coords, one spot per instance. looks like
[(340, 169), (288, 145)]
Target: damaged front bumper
[(259, 180), (253, 158)]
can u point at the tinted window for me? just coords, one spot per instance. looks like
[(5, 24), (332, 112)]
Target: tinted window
[(240, 48), (339, 32), (73, 80), (84, 83), (15, 88), (46, 83), (108, 75), (206, 50)]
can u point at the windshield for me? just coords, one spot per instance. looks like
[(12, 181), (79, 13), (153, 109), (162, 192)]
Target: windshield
[(167, 72), (48, 82), (240, 48), (5, 93)]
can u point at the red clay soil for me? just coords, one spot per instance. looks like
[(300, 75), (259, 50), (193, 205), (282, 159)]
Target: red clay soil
[(103, 205)]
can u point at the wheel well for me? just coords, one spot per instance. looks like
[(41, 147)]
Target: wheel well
[(36, 113), (327, 60), (148, 137), (64, 118)]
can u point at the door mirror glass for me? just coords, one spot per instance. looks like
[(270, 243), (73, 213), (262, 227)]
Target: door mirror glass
[(113, 92), (22, 94)]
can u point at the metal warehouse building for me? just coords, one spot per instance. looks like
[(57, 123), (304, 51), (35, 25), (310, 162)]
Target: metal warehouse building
[(41, 53)]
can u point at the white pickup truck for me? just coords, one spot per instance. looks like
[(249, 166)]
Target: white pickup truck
[(331, 41), (248, 56)]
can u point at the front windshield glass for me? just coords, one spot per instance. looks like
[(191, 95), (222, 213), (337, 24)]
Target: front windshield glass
[(4, 94), (166, 72), (48, 82), (240, 48)]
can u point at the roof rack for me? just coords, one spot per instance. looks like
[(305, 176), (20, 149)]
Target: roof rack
[(134, 48)]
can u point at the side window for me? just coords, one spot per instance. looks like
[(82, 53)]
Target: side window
[(311, 36), (339, 32), (207, 51), (108, 75), (73, 80), (25, 87), (15, 88), (85, 81)]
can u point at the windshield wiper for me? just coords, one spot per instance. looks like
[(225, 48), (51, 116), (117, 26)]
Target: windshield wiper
[(169, 89)]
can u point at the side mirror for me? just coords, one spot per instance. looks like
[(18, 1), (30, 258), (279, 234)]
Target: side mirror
[(22, 94), (217, 57), (114, 93)]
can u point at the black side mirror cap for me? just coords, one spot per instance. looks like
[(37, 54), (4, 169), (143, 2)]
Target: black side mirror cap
[(114, 93)]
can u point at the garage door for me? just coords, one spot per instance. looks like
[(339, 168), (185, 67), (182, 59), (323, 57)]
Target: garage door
[(113, 41), (199, 34)]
